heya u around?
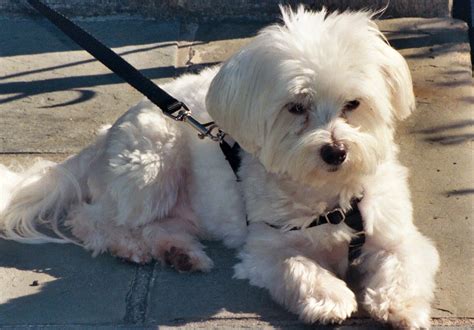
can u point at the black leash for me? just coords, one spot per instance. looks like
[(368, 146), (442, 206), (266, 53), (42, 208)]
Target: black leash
[(351, 218), (168, 104), (110, 59)]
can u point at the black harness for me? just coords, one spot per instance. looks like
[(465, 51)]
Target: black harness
[(177, 110), (351, 218)]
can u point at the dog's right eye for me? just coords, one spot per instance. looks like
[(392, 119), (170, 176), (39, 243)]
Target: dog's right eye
[(296, 108), (351, 105)]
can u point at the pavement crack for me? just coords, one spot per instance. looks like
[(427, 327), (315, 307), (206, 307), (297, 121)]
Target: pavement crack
[(34, 152), (444, 310), (191, 54), (136, 300), (186, 40)]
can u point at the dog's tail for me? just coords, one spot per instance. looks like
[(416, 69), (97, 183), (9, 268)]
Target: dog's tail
[(34, 202)]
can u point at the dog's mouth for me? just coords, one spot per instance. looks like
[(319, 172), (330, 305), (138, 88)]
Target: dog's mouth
[(333, 169)]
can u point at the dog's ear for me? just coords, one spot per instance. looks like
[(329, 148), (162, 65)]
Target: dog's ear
[(241, 97), (398, 77), (234, 99)]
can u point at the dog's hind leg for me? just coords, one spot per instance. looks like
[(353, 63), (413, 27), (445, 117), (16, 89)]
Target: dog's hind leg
[(91, 223), (138, 207), (172, 245), (174, 240), (171, 240)]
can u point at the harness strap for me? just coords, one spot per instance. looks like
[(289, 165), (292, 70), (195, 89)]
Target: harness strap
[(232, 155), (352, 218)]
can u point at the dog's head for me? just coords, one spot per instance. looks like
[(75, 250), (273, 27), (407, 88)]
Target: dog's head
[(315, 98)]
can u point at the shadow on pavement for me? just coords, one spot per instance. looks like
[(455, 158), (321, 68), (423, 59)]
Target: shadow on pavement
[(72, 287), (177, 299), (441, 136), (26, 34), (180, 298), (93, 291), (38, 36), (438, 41), (25, 73), (116, 33)]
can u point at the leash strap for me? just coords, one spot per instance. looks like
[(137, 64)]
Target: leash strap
[(110, 59), (168, 104)]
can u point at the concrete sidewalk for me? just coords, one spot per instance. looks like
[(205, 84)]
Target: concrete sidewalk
[(53, 97)]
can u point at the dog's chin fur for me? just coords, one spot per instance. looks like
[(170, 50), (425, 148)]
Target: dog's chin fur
[(148, 188)]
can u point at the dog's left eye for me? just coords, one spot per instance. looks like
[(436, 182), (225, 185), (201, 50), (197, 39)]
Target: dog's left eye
[(351, 105), (296, 108)]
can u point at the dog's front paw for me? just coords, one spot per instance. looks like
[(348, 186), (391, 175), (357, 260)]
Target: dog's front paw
[(332, 306), (408, 313)]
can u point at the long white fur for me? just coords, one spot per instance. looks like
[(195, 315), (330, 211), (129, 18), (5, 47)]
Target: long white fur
[(148, 187)]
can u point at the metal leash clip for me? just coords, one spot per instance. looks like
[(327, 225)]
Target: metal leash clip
[(205, 130)]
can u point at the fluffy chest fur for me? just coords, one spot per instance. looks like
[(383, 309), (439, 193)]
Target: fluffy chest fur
[(279, 201)]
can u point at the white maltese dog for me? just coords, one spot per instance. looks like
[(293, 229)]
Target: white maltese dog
[(313, 104)]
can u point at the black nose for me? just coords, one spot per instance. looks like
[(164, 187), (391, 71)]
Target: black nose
[(333, 154)]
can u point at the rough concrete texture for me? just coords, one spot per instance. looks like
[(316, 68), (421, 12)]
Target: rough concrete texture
[(53, 97), (437, 147), (39, 64), (61, 285), (218, 9)]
